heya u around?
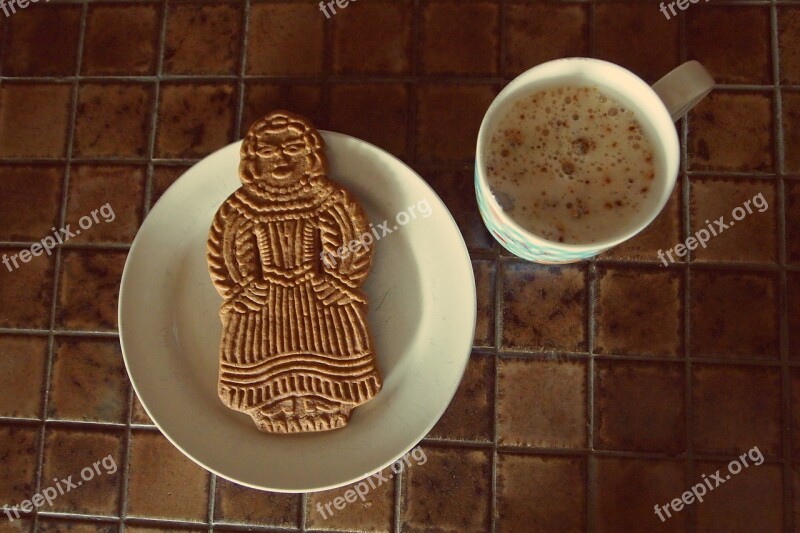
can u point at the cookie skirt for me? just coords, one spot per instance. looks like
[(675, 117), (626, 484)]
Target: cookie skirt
[(297, 346)]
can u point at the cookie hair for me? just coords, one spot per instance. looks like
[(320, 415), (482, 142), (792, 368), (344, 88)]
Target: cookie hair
[(273, 124)]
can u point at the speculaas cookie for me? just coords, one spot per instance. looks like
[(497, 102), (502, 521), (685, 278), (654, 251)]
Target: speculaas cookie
[(296, 352)]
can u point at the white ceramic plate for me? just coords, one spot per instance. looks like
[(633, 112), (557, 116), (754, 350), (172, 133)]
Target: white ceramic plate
[(422, 315)]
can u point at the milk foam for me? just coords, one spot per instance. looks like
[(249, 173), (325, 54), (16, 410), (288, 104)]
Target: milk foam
[(570, 164)]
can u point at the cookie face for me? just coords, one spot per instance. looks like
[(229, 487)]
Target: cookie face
[(296, 352)]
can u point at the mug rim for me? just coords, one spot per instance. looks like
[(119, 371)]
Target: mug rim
[(669, 137)]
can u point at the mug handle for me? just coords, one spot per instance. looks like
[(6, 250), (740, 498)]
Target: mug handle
[(683, 88)]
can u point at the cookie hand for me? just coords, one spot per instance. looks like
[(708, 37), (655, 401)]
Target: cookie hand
[(251, 297)]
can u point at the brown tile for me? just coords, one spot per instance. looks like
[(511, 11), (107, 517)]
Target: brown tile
[(735, 408), (113, 120), (639, 406), (73, 526), (751, 500), (22, 367), (17, 526), (88, 381), (121, 38), (203, 39), (714, 37), (44, 41), (731, 131), (793, 298), (34, 119), (261, 98), (89, 289), (789, 43), (18, 446), (195, 119), (459, 38), (539, 32), (285, 38), (541, 493), (639, 312), (30, 201), (386, 123), (485, 284), (448, 120), (792, 195), (542, 403), (242, 505), (372, 512), (637, 37), (451, 186), (163, 177), (94, 460), (794, 384), (753, 238), (627, 490), (791, 131), (26, 289), (662, 234), (454, 486), (383, 28), (138, 414), (104, 203), (724, 321), (469, 415), (544, 308), (163, 482)]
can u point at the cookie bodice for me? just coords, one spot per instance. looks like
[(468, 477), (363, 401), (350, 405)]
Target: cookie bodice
[(286, 246)]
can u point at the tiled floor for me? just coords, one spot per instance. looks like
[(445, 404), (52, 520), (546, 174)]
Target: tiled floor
[(594, 392)]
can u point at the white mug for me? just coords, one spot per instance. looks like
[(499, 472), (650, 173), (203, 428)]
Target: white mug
[(655, 107)]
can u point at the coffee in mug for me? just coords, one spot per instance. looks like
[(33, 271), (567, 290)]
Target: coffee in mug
[(571, 164)]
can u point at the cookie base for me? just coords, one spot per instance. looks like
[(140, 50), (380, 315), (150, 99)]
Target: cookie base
[(301, 414)]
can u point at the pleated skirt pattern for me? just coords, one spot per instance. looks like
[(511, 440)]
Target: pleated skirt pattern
[(296, 345)]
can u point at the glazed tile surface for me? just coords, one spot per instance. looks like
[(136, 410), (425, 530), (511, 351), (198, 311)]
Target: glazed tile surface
[(594, 391)]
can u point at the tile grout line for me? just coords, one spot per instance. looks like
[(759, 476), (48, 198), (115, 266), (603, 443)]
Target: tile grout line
[(148, 191), (58, 333), (591, 466), (237, 133), (57, 268), (242, 66), (494, 516), (126, 462), (689, 465), (428, 441), (498, 303), (398, 495), (212, 499), (591, 271), (452, 165), (336, 78), (303, 510), (6, 29), (783, 291), (412, 84), (325, 103), (151, 144), (485, 254), (327, 70)]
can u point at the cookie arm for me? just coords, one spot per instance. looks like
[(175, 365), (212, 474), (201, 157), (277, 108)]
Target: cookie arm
[(344, 221), (220, 252)]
